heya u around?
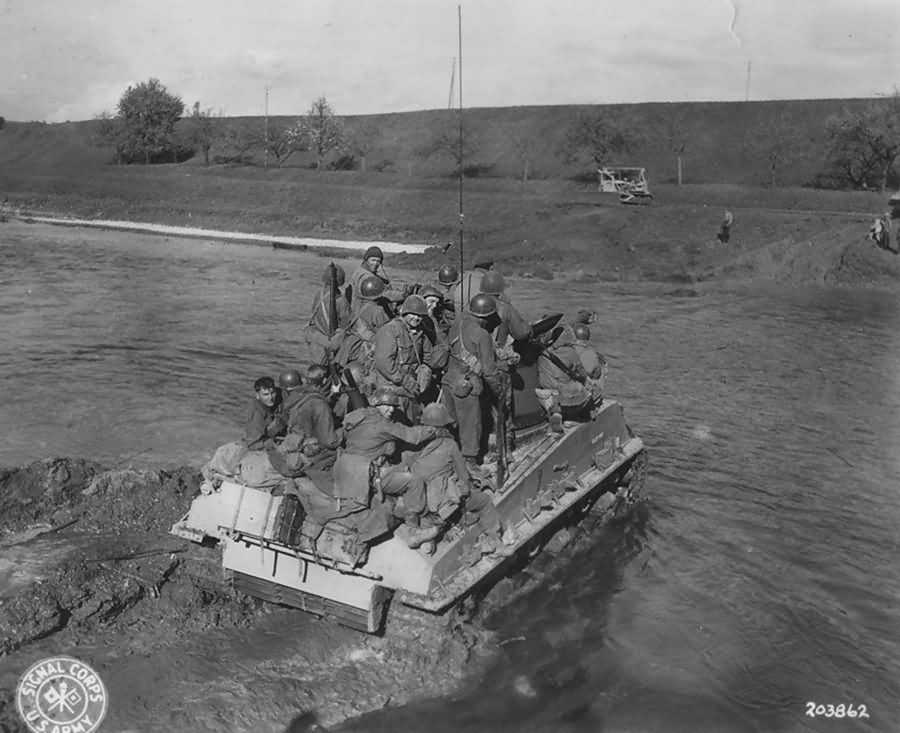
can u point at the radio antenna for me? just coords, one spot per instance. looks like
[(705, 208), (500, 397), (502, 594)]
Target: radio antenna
[(462, 303)]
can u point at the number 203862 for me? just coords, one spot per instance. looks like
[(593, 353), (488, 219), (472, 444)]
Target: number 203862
[(815, 710)]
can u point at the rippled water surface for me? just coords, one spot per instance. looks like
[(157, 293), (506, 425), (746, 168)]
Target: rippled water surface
[(763, 575)]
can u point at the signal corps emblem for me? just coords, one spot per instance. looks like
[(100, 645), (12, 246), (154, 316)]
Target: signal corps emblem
[(61, 695)]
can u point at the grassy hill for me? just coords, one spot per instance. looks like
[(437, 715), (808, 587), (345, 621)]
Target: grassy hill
[(553, 223), (726, 142)]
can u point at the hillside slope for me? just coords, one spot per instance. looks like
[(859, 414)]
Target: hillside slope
[(842, 256), (727, 142)]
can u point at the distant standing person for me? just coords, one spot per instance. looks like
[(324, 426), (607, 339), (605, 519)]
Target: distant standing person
[(725, 228), (884, 231)]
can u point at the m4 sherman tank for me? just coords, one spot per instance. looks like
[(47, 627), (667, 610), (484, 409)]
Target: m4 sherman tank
[(273, 549)]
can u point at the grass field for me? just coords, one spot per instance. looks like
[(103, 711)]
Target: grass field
[(551, 224)]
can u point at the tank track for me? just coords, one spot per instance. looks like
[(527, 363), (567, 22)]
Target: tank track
[(463, 617)]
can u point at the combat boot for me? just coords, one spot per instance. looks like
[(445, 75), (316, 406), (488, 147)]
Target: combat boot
[(417, 536)]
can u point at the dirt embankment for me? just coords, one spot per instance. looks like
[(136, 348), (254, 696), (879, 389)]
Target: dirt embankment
[(843, 256), (87, 568)]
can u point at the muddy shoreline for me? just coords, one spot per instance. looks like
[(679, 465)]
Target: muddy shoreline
[(88, 569)]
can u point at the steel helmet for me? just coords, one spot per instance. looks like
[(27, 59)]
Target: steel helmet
[(316, 374), (436, 415), (340, 275), (448, 275), (414, 304), (371, 288), (483, 305), (384, 396), (290, 379), (582, 332), (430, 291), (493, 283)]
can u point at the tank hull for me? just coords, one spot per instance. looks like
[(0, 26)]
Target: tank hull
[(554, 481)]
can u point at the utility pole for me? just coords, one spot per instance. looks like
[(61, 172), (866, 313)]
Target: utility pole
[(452, 80), (747, 88), (266, 132)]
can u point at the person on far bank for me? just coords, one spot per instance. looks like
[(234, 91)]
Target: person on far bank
[(264, 421), (885, 232), (372, 265), (322, 336)]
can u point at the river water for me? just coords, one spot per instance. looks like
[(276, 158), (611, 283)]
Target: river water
[(763, 575)]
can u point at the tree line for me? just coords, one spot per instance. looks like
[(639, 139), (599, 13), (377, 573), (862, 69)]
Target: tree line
[(149, 125)]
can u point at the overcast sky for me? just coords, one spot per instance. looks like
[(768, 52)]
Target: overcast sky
[(71, 59)]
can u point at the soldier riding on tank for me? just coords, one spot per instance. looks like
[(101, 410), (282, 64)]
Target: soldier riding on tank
[(473, 377), (405, 358)]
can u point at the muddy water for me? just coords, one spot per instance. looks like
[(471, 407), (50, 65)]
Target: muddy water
[(763, 577)]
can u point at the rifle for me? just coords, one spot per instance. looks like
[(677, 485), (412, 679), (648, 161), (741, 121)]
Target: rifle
[(561, 365), (502, 457), (333, 320), (355, 398)]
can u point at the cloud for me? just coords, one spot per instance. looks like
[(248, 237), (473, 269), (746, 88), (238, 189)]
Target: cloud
[(68, 60)]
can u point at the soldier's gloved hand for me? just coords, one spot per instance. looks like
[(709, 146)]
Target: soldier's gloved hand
[(423, 377), (411, 385)]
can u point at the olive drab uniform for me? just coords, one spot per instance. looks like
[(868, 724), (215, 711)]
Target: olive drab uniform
[(884, 232), (593, 362), (511, 322), (323, 337), (442, 467), (402, 356), (309, 415), (263, 425), (470, 282), (472, 367), (360, 274), (564, 391), (359, 342), (371, 439)]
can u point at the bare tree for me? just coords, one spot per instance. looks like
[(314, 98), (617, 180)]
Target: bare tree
[(524, 144), (319, 131), (593, 137), (863, 146), (675, 136), (444, 143), (108, 132), (200, 130), (283, 142), (362, 140)]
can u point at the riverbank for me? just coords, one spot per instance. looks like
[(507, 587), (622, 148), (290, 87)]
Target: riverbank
[(295, 243), (541, 229), (87, 568)]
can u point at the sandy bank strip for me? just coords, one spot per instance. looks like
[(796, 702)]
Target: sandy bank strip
[(175, 231)]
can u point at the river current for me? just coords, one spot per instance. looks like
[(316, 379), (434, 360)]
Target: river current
[(762, 576)]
